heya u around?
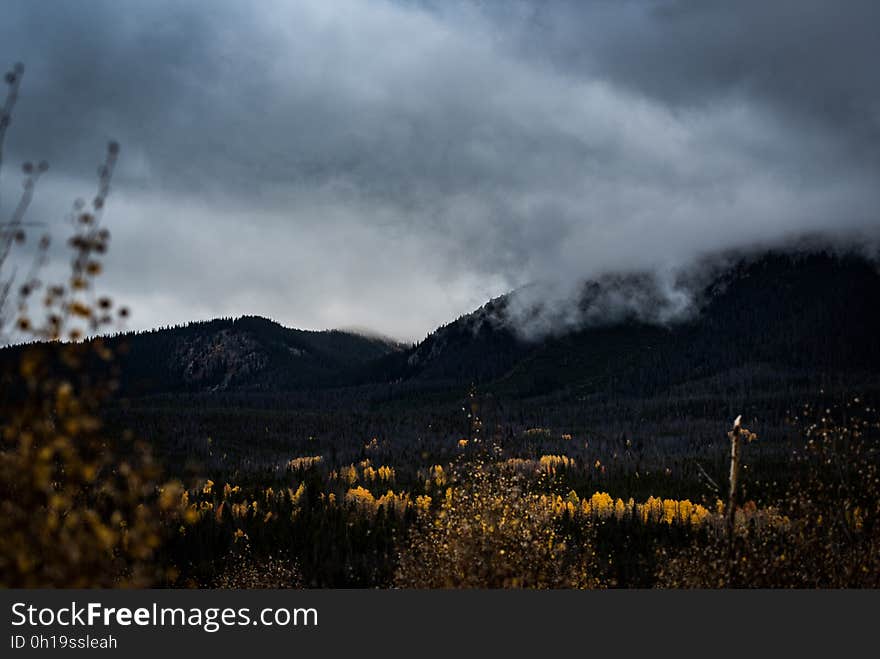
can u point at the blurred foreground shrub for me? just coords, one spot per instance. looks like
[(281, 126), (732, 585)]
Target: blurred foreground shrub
[(77, 508), (489, 532)]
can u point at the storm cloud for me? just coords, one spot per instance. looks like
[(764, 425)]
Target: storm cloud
[(392, 165)]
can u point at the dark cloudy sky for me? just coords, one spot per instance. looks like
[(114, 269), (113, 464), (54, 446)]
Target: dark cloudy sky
[(391, 165)]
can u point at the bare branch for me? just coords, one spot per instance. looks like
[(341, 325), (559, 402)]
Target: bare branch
[(13, 79)]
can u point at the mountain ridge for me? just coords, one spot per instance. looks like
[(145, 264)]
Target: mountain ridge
[(782, 312), (798, 311)]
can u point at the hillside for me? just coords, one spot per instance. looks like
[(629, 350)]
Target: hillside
[(783, 314), (244, 354), (763, 323)]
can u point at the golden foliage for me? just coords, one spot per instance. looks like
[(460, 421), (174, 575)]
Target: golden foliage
[(305, 462), (550, 464), (490, 533)]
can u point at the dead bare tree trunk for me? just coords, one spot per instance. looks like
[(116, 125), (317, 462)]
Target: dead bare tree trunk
[(735, 451), (737, 435)]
